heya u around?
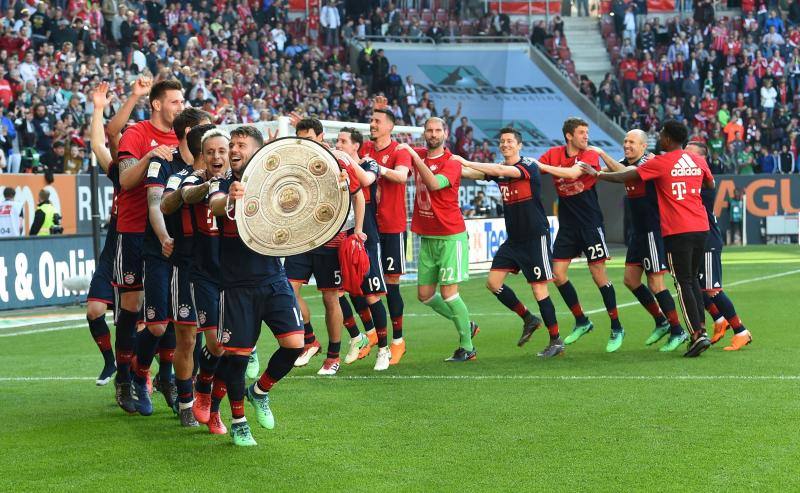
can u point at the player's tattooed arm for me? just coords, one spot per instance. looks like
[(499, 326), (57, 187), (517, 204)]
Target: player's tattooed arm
[(157, 220), (195, 193), (132, 171), (171, 201)]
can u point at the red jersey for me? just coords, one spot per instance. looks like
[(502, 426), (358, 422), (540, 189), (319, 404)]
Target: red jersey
[(577, 204), (391, 196), (355, 186), (678, 176), (436, 212), (137, 141)]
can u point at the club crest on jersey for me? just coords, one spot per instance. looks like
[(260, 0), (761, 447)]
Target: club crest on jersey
[(384, 159), (151, 313), (226, 337), (201, 317), (183, 311), (128, 278), (686, 167)]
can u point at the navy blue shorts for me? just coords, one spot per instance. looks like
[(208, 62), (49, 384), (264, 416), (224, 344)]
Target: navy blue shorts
[(157, 286), (323, 263), (128, 268), (647, 251), (710, 275), (102, 286), (571, 242), (181, 308), (374, 284), (205, 300), (244, 309), (393, 253), (530, 257)]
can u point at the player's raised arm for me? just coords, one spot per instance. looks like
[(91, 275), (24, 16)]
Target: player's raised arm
[(141, 87), (97, 134)]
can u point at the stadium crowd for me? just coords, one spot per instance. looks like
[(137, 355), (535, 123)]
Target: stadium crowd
[(734, 81), (240, 72)]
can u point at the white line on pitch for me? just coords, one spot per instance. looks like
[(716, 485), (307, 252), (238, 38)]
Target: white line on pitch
[(484, 377), (429, 314)]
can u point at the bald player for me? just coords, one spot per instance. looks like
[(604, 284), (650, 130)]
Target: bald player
[(646, 247)]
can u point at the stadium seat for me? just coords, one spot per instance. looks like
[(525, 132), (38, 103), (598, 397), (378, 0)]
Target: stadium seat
[(467, 28), (427, 16), (563, 53), (442, 16), (606, 28)]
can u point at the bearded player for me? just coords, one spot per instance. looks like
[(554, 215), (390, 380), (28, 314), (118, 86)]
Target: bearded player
[(580, 229), (444, 249), (645, 253), (394, 167)]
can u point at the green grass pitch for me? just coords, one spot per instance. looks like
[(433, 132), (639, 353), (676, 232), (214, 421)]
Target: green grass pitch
[(637, 420)]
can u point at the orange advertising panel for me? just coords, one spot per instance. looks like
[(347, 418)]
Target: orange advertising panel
[(62, 195)]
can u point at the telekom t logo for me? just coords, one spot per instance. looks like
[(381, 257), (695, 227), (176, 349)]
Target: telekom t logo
[(679, 189)]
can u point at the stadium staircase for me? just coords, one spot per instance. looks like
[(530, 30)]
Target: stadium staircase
[(587, 47)]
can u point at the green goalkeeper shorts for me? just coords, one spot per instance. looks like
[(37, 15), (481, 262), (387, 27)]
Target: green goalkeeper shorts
[(443, 260)]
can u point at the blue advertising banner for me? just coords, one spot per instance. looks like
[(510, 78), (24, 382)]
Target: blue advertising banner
[(33, 270), (496, 86)]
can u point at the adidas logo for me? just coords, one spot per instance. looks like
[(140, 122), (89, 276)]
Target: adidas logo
[(153, 143), (686, 167)]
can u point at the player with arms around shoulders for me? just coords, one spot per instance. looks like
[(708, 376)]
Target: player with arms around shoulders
[(370, 306), (394, 167), (679, 176), (444, 248), (646, 253), (580, 229), (527, 247)]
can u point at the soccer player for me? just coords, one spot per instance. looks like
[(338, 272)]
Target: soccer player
[(370, 306), (168, 218), (158, 248), (394, 166), (580, 229), (527, 247), (153, 138), (444, 248), (254, 290), (210, 149), (679, 176), (715, 300), (646, 247), (323, 263), (102, 295)]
